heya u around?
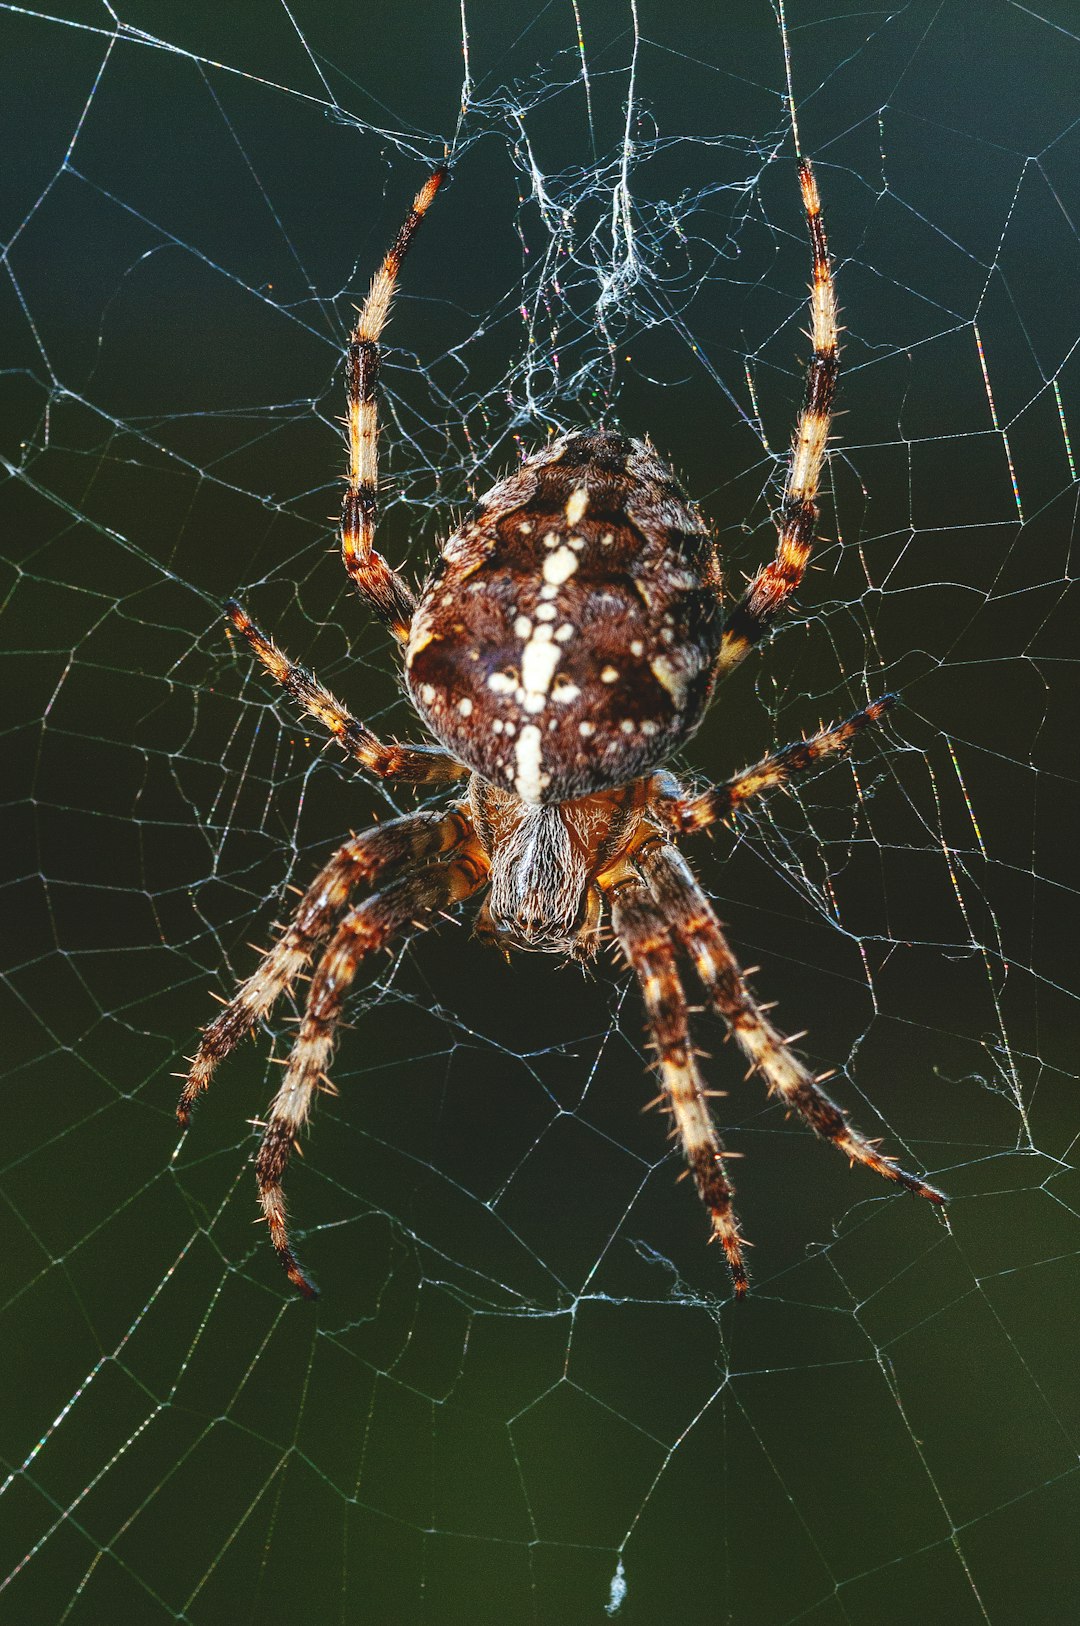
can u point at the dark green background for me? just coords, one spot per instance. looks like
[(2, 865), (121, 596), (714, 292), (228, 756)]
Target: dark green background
[(525, 1363)]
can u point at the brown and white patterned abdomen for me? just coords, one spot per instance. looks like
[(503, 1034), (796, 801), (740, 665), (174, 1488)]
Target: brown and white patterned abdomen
[(566, 641)]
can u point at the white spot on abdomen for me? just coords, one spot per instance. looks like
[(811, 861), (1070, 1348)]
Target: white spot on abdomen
[(670, 677), (560, 566), (539, 659), (576, 504), (527, 755)]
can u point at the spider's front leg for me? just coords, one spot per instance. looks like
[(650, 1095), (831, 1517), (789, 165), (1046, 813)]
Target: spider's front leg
[(364, 930), (367, 858), (641, 929), (681, 902)]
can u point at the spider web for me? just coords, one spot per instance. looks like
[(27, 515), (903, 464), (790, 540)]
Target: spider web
[(525, 1392)]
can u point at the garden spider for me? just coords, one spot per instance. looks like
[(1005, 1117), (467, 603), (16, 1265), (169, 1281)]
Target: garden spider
[(568, 642)]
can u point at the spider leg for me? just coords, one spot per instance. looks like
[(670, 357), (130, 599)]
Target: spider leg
[(587, 940), (399, 844), (365, 929), (387, 593), (771, 588), (682, 901), (414, 764), (641, 928), (685, 813)]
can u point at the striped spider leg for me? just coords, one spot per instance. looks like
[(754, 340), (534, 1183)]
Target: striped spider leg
[(692, 920), (400, 847), (384, 589), (642, 930), (772, 587), (362, 862), (408, 764), (364, 930), (684, 813), (659, 911)]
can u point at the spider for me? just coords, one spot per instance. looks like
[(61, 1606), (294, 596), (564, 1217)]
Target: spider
[(566, 645)]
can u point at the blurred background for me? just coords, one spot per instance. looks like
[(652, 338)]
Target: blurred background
[(525, 1392)]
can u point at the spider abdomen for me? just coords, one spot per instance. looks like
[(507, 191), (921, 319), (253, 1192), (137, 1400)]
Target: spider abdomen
[(567, 639)]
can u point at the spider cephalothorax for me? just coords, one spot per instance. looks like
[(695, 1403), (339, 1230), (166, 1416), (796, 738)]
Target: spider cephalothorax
[(568, 642)]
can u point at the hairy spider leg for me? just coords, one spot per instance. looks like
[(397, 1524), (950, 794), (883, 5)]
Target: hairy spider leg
[(773, 585), (641, 929), (682, 902), (684, 813), (385, 590), (413, 764), (364, 930), (398, 845)]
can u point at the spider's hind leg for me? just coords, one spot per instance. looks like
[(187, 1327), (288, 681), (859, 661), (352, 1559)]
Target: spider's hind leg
[(384, 589), (772, 587)]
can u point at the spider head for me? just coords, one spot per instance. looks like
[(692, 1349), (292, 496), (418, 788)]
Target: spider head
[(538, 876), (529, 933)]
